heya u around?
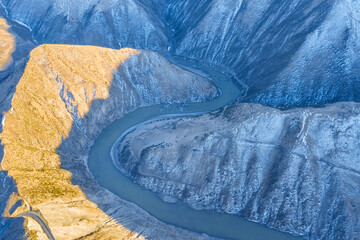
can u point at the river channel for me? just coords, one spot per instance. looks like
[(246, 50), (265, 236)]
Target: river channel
[(179, 214)]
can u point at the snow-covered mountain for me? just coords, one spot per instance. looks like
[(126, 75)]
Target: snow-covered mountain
[(292, 53), (287, 54), (295, 170)]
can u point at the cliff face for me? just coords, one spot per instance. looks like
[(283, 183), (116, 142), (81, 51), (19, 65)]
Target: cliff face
[(112, 24), (289, 53), (7, 44), (146, 79), (276, 48), (296, 170), (38, 121), (10, 73), (18, 51), (59, 85)]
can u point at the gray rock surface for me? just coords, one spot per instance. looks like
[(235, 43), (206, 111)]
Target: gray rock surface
[(296, 170), (289, 53), (143, 80), (109, 23), (292, 53)]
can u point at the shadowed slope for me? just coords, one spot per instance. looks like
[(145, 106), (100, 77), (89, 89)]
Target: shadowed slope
[(38, 121), (292, 53)]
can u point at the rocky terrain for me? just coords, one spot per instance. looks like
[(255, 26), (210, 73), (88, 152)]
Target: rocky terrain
[(36, 124), (94, 22), (10, 59), (149, 79), (7, 44), (295, 170), (274, 47), (54, 95), (10, 76)]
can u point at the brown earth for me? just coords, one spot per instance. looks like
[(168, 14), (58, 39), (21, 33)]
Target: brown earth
[(59, 83)]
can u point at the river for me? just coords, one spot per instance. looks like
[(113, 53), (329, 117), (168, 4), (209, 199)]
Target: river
[(209, 222)]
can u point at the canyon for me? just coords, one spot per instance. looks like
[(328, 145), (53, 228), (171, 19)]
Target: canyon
[(56, 91), (295, 170), (284, 153), (274, 48)]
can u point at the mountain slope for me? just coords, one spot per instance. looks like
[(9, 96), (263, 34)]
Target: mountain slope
[(39, 120), (105, 23), (53, 97), (296, 171), (7, 43), (288, 53), (293, 53)]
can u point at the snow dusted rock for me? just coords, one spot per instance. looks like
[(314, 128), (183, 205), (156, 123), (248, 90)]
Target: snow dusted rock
[(293, 53), (296, 170), (106, 23)]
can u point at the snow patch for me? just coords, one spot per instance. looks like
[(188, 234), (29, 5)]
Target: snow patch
[(3, 121), (22, 24)]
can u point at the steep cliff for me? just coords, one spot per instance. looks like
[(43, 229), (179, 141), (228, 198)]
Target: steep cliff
[(296, 170), (9, 58), (293, 53), (23, 43), (7, 44), (38, 121), (59, 85), (143, 80), (289, 53), (95, 22)]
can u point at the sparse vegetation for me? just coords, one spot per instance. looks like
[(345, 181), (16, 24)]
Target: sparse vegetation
[(32, 235), (40, 119)]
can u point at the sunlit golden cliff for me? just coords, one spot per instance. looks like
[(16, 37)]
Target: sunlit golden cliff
[(59, 83)]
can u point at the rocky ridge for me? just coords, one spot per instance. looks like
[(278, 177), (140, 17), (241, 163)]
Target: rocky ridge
[(59, 85), (293, 53), (295, 170), (39, 120), (276, 48)]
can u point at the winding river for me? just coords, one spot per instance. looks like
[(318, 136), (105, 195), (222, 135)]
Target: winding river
[(209, 222)]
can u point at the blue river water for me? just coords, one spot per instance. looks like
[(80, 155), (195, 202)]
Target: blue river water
[(211, 223)]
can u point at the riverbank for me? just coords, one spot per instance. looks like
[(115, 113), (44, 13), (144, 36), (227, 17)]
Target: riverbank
[(293, 170), (74, 150), (114, 148), (67, 89), (177, 214)]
